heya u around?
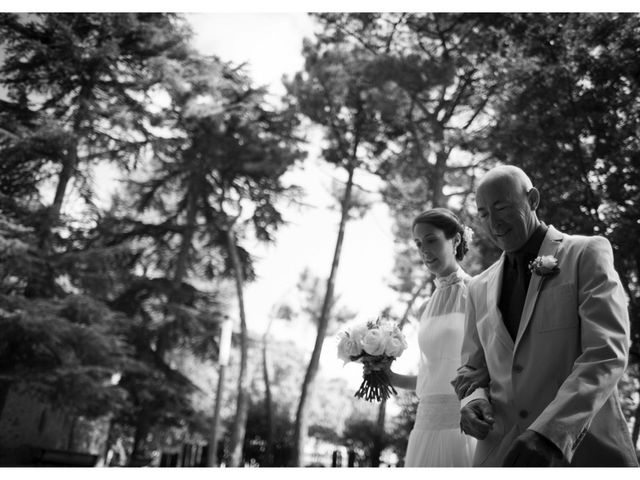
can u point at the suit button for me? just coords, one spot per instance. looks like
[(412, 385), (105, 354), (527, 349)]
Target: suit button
[(523, 414), (517, 368)]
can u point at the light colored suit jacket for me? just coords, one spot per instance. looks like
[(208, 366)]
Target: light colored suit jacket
[(559, 377)]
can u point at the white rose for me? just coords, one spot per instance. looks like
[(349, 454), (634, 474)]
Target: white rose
[(545, 265), (395, 345), (357, 333), (373, 342), (548, 262), (347, 347)]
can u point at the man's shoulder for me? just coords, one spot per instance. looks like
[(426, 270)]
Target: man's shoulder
[(482, 277), (585, 242)]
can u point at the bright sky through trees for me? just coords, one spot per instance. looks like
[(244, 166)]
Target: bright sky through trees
[(270, 44)]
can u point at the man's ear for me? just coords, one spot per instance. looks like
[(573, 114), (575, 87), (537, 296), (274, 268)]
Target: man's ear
[(533, 197)]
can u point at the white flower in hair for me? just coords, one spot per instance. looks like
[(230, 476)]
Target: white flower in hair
[(467, 235)]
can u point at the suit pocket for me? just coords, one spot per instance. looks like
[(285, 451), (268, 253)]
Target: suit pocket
[(557, 308)]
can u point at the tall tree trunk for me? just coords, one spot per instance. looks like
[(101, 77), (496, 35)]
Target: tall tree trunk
[(72, 432), (437, 180), (66, 173), (138, 437), (636, 427), (300, 431), (102, 460), (239, 423), (179, 273), (378, 439), (212, 454), (42, 283), (268, 399), (69, 165), (5, 387), (185, 246)]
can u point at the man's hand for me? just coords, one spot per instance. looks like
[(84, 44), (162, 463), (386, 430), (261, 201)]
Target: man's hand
[(468, 380), (533, 450), (476, 418)]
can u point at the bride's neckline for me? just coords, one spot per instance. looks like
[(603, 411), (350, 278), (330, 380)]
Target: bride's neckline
[(450, 279)]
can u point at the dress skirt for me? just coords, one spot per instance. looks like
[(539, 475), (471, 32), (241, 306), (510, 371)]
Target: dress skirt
[(436, 439)]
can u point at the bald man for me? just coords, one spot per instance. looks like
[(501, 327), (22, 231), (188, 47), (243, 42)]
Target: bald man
[(546, 341)]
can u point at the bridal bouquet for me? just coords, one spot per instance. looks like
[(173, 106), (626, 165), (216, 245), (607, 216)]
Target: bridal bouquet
[(375, 345)]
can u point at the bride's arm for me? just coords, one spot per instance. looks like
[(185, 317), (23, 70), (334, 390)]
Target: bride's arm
[(402, 381), (397, 379)]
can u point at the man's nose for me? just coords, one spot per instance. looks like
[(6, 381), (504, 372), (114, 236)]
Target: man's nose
[(494, 221)]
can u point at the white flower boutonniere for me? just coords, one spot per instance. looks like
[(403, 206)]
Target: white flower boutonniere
[(544, 266)]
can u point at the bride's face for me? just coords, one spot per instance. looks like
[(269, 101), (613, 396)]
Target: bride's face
[(437, 251)]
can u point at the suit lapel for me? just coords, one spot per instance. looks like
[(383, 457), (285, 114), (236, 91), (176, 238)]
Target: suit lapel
[(550, 246), (494, 287)]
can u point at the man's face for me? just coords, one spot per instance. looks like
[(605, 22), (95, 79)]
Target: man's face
[(505, 213)]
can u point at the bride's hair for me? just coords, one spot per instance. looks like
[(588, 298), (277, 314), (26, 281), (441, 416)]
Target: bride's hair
[(447, 221)]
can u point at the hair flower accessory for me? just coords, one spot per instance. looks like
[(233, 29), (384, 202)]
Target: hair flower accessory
[(467, 234), (544, 266)]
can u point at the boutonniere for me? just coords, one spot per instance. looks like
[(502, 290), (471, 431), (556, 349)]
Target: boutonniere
[(544, 266)]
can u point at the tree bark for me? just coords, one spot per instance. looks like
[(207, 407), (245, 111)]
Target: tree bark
[(102, 460), (72, 431), (5, 387), (142, 428), (437, 179), (238, 428), (69, 165), (66, 173), (378, 440), (212, 454), (179, 273), (300, 430), (268, 398), (185, 246), (636, 427)]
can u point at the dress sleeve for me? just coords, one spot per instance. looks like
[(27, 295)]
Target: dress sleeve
[(474, 366)]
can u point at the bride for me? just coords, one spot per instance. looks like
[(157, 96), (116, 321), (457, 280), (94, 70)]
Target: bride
[(436, 439)]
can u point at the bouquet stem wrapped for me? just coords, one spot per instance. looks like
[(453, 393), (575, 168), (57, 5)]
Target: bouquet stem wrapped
[(376, 384)]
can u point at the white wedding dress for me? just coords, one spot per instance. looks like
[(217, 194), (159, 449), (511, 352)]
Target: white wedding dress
[(436, 439)]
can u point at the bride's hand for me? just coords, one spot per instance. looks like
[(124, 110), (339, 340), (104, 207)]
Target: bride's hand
[(368, 367)]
